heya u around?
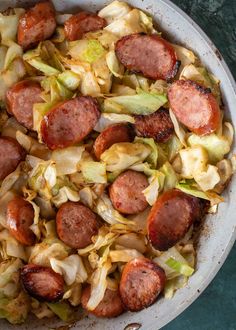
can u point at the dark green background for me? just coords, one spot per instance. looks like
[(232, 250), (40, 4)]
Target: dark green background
[(215, 309)]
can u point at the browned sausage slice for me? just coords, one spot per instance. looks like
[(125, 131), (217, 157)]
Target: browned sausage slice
[(141, 283), (76, 224), (113, 134), (126, 192), (20, 216), (157, 126), (37, 24), (194, 106), (81, 23), (70, 122), (42, 283), (150, 55), (110, 306), (11, 154), (20, 99), (171, 217)]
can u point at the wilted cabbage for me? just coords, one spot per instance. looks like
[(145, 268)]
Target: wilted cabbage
[(156, 183), (179, 130), (116, 68), (216, 146), (10, 247), (67, 159), (43, 178), (123, 155), (86, 50), (107, 119), (71, 268), (191, 189), (41, 253), (94, 172), (63, 310), (140, 104), (208, 179), (125, 255), (64, 195), (194, 161), (134, 21), (153, 157), (107, 212), (114, 11)]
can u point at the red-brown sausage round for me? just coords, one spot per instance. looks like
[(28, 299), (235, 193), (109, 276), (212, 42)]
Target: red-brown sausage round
[(70, 122), (20, 99), (81, 23), (76, 224), (20, 216), (194, 106), (113, 134), (110, 306), (141, 283), (171, 217), (37, 24), (42, 283), (11, 154), (150, 55), (157, 126), (126, 192)]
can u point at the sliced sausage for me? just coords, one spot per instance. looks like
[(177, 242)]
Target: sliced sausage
[(126, 192), (76, 224), (157, 126), (37, 24), (20, 99), (171, 217), (150, 55), (110, 306), (20, 216), (141, 283), (70, 122), (42, 283), (113, 134), (194, 106), (81, 23), (11, 154)]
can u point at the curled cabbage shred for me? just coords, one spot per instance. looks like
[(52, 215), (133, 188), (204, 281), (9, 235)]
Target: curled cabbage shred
[(71, 268), (123, 155)]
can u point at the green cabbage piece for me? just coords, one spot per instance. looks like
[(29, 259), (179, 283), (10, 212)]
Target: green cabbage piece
[(43, 178), (189, 187), (180, 267), (216, 146), (156, 182), (86, 50), (143, 103), (171, 178), (38, 64), (94, 172), (56, 90), (63, 310), (153, 157), (69, 79)]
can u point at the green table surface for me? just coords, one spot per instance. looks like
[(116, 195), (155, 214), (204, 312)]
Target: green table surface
[(215, 309)]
